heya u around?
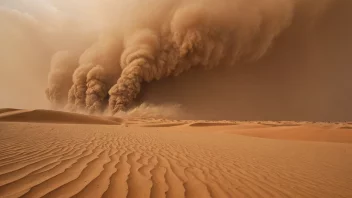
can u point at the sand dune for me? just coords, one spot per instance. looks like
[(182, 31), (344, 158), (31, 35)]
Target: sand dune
[(204, 124), (165, 124), (304, 132), (171, 158), (5, 110), (48, 116)]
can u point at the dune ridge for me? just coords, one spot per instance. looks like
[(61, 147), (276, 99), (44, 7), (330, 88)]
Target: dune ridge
[(205, 124), (5, 110), (49, 116)]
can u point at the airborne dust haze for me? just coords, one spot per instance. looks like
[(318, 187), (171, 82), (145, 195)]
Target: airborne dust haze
[(203, 59)]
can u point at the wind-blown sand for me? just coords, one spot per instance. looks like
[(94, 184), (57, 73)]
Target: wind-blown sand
[(43, 153)]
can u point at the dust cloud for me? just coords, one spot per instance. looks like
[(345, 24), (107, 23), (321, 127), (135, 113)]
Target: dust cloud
[(243, 59)]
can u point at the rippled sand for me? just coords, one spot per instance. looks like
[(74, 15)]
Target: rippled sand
[(56, 154)]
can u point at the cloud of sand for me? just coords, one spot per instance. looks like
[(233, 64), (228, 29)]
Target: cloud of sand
[(62, 66), (145, 110), (202, 34), (120, 45), (168, 39)]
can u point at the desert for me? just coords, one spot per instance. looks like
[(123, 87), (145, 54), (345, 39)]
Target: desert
[(171, 158), (175, 98)]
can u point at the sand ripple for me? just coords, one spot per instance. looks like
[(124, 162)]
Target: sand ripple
[(62, 160)]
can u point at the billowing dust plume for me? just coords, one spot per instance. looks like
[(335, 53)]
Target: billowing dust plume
[(98, 69), (62, 66), (197, 34), (134, 44), (175, 38)]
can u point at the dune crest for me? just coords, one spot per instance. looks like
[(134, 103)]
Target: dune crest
[(49, 116)]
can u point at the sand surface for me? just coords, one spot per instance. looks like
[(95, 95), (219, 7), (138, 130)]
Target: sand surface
[(56, 154)]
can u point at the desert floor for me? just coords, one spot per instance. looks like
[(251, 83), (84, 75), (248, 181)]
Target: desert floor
[(57, 154)]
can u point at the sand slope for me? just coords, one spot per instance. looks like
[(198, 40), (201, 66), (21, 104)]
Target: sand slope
[(48, 116), (6, 110), (170, 159), (317, 132)]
